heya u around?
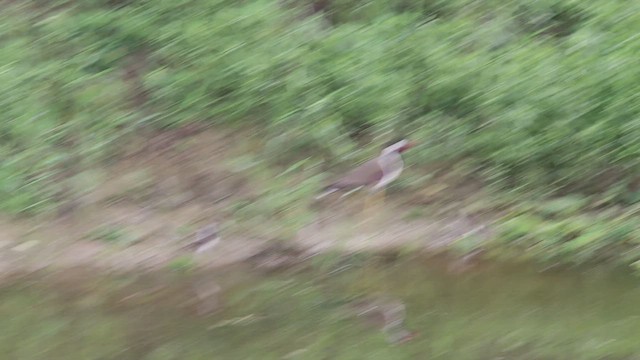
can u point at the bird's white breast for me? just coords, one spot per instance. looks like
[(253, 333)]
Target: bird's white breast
[(391, 165)]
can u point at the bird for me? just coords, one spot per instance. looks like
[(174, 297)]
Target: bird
[(374, 174)]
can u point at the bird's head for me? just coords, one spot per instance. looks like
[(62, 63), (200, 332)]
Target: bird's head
[(398, 145)]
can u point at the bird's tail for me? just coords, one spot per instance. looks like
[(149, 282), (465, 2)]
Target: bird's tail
[(326, 191)]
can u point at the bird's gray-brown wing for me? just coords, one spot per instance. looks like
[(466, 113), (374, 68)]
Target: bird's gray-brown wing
[(365, 174)]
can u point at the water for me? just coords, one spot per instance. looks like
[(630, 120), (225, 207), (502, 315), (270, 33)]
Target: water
[(493, 312)]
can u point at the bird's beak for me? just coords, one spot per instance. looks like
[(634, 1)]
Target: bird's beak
[(409, 145)]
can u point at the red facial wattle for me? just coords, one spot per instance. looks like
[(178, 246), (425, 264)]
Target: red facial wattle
[(406, 147)]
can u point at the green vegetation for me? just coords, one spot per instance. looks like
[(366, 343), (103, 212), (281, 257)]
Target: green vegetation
[(535, 233), (533, 97), (113, 234), (182, 264)]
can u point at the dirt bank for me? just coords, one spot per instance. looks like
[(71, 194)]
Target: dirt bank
[(149, 204)]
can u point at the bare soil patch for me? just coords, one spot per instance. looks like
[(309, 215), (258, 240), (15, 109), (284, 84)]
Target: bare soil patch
[(167, 186)]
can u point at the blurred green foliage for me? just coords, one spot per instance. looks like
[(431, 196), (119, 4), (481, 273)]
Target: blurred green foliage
[(538, 95), (579, 238)]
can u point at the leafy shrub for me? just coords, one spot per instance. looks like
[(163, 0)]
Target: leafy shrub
[(564, 238), (540, 95)]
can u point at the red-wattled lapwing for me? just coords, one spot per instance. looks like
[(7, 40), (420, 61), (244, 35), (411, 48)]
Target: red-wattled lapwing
[(375, 174)]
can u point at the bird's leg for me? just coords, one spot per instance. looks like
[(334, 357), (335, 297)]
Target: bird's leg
[(378, 198), (381, 198), (372, 205), (366, 206)]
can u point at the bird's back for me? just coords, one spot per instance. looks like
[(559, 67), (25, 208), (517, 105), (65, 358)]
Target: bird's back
[(365, 174)]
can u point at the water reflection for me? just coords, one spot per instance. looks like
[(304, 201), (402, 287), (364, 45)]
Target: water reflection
[(486, 313)]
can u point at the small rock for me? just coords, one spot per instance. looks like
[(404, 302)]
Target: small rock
[(25, 246), (206, 238), (277, 257)]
